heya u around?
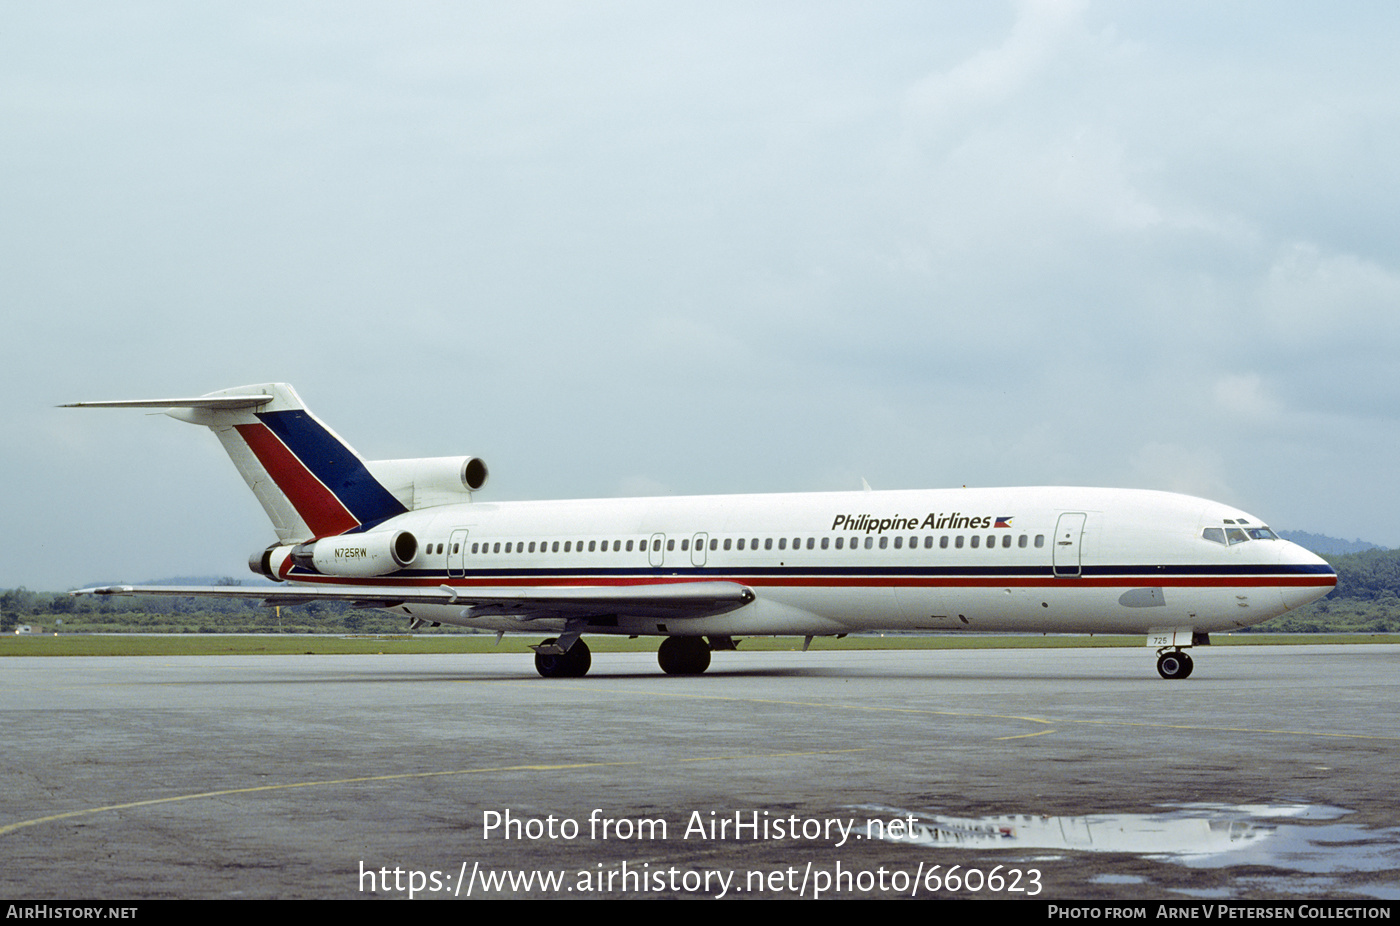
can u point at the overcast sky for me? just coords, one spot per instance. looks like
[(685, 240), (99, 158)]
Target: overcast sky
[(626, 248)]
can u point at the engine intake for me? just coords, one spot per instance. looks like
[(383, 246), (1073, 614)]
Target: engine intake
[(431, 481)]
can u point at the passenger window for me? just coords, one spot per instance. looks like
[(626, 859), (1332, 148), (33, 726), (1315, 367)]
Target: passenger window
[(839, 541), (885, 542), (1022, 540), (741, 543), (726, 543), (556, 547), (898, 543), (870, 542), (975, 540), (958, 541), (670, 546), (767, 543), (943, 542), (1039, 541), (782, 543), (825, 541)]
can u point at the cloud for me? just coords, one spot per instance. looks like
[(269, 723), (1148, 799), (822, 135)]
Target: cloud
[(993, 76), (1244, 396)]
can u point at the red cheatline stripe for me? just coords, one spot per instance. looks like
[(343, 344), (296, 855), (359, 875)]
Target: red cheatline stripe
[(316, 504), (836, 581)]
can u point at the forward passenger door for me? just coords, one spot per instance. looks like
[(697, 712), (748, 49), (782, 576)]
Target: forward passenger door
[(1069, 532)]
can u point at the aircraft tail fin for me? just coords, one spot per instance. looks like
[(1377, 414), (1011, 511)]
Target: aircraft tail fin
[(309, 480)]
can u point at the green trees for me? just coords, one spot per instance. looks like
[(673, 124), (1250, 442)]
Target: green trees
[(109, 614)]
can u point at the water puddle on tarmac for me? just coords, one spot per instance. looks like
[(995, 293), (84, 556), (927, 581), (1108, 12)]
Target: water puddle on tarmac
[(1298, 838)]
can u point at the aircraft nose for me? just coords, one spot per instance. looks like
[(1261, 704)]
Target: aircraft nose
[(1308, 576)]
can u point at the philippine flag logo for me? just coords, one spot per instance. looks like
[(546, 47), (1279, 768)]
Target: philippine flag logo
[(1004, 521)]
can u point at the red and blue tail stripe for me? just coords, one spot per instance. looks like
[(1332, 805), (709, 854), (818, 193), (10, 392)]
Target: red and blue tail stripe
[(325, 481)]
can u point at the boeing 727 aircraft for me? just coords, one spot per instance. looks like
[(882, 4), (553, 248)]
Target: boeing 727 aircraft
[(406, 536)]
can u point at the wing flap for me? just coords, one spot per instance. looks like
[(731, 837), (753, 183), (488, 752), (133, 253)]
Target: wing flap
[(657, 599)]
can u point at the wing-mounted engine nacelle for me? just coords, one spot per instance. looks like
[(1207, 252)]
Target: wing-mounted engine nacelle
[(430, 481), (375, 553)]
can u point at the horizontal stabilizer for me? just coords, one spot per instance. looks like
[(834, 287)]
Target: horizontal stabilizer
[(216, 402)]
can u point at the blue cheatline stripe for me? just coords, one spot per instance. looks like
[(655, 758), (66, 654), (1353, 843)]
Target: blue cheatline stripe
[(334, 465), (1137, 575)]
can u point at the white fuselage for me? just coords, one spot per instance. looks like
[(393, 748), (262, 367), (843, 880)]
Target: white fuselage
[(996, 559)]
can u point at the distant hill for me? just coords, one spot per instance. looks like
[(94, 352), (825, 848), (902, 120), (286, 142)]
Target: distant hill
[(1323, 545)]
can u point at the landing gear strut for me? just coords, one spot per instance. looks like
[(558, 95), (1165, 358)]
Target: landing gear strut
[(572, 663), (1174, 664), (684, 655)]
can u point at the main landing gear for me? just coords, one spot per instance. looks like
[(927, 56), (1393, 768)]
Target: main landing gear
[(677, 656), (572, 663), (684, 655), (1174, 663)]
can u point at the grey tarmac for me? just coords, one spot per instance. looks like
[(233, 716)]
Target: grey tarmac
[(294, 776)]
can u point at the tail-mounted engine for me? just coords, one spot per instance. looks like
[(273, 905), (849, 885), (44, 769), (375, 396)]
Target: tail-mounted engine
[(431, 481), (374, 553)]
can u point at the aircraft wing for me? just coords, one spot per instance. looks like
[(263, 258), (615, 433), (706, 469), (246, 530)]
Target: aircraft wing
[(660, 599)]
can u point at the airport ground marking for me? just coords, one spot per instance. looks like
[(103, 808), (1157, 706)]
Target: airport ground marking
[(875, 708), (1260, 730), (9, 828)]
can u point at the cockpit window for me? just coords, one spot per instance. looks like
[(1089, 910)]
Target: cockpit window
[(1233, 534)]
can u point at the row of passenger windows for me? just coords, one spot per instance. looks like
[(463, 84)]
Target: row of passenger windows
[(927, 542)]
